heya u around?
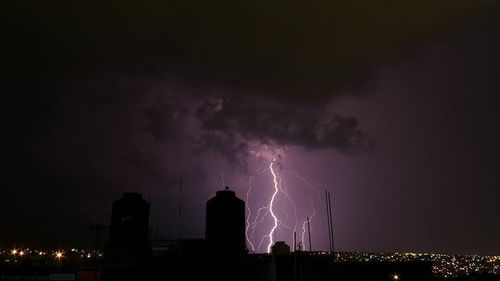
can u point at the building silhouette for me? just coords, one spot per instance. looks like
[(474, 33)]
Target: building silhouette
[(280, 248), (222, 255), (130, 254), (127, 254), (130, 219), (225, 224)]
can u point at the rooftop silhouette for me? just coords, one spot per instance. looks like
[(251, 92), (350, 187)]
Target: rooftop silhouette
[(223, 255)]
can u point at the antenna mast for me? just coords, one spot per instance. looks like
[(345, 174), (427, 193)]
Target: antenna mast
[(309, 233), (180, 210), (330, 221)]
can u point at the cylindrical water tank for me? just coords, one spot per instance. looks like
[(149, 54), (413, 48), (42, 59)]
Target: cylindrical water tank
[(130, 219), (225, 222)]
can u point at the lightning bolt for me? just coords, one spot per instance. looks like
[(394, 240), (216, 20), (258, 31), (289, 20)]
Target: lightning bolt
[(256, 221), (315, 189), (304, 225), (249, 214), (271, 207), (221, 178), (283, 191), (303, 235), (277, 209)]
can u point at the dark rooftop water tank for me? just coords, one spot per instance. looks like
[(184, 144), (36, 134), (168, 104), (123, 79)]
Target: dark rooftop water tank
[(280, 248), (130, 219), (127, 254), (225, 223)]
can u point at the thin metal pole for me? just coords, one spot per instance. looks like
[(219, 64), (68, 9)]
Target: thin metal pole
[(331, 223), (180, 210), (294, 256), (328, 221), (309, 233)]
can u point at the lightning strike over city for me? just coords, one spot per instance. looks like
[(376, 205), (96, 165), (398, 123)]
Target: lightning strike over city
[(204, 140), (271, 207), (277, 218)]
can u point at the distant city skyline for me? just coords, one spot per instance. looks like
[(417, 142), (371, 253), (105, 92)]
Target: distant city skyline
[(445, 265)]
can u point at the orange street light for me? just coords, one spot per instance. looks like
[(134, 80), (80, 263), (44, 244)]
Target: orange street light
[(59, 255)]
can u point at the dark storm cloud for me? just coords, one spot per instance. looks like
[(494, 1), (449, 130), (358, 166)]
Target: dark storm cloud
[(164, 122), (231, 125), (280, 46), (292, 52), (234, 126)]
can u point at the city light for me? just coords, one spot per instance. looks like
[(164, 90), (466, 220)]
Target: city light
[(59, 255), (443, 265)]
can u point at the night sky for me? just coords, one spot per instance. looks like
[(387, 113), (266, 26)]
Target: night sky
[(391, 106)]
